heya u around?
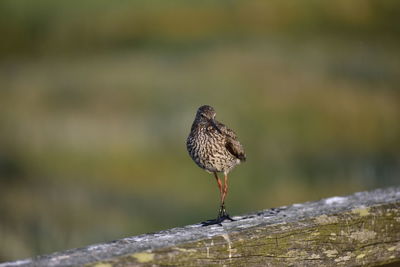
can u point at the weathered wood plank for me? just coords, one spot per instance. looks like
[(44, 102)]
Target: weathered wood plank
[(360, 229)]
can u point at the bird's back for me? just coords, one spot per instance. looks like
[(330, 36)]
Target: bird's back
[(232, 143), (214, 148)]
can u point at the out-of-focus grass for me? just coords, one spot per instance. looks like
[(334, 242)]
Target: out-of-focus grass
[(53, 28), (96, 102)]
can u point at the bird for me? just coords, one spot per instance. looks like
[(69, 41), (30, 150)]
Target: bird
[(216, 149)]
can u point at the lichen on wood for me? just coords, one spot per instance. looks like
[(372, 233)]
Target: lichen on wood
[(347, 239), (360, 229)]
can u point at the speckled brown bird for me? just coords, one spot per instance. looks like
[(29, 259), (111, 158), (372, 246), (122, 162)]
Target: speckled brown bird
[(214, 148)]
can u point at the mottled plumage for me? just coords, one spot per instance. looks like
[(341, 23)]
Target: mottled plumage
[(214, 148)]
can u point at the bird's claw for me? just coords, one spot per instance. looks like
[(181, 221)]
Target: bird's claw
[(222, 216)]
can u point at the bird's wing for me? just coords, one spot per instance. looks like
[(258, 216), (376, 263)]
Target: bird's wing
[(235, 148), (231, 143)]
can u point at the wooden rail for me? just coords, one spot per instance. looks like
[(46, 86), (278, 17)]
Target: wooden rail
[(360, 229)]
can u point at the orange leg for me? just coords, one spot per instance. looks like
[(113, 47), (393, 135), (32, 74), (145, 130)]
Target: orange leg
[(222, 214), (225, 190), (219, 186)]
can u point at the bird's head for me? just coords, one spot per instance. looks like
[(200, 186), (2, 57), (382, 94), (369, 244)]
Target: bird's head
[(205, 113)]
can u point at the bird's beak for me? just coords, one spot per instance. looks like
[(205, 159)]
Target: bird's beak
[(212, 121)]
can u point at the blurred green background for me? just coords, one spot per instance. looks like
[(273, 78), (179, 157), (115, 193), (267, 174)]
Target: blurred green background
[(97, 99)]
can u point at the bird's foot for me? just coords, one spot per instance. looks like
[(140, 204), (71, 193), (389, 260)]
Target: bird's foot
[(218, 221), (222, 216)]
